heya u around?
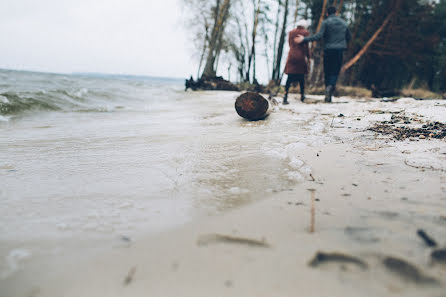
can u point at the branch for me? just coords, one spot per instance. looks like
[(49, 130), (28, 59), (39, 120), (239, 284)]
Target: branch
[(371, 40), (324, 7)]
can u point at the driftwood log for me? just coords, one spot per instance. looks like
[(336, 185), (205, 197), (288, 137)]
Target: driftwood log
[(252, 106)]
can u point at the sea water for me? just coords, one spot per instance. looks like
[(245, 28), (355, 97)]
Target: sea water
[(96, 156)]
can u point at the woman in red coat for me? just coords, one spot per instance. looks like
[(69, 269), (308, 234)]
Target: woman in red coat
[(297, 62)]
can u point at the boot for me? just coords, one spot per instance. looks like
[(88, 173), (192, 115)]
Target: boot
[(328, 93), (285, 100), (302, 97)]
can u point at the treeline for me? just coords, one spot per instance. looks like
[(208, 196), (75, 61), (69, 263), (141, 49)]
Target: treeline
[(395, 43)]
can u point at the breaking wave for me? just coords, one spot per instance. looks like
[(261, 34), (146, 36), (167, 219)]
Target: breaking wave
[(28, 92), (12, 103)]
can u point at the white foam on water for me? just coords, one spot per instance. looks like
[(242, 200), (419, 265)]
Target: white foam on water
[(295, 149), (4, 118), (237, 191), (296, 163), (14, 260), (3, 99), (81, 92), (295, 176), (277, 153)]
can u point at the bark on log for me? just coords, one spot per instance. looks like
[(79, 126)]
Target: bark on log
[(252, 106)]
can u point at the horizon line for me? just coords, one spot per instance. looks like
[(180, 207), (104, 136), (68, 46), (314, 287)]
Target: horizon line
[(92, 73)]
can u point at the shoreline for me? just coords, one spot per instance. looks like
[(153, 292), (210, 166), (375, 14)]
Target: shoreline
[(371, 195)]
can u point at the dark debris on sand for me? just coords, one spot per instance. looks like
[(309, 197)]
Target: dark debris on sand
[(221, 238), (407, 271), (439, 256), (322, 257), (395, 127)]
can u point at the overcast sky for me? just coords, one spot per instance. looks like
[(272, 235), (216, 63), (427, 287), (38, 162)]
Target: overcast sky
[(144, 37)]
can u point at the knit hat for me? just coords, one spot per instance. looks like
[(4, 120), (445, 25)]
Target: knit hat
[(302, 23)]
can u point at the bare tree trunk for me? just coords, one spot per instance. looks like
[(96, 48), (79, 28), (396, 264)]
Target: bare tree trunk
[(317, 64), (265, 34), (253, 37), (209, 67), (372, 39), (239, 52), (341, 4), (276, 70), (201, 58), (296, 13), (221, 15), (205, 43), (254, 78), (357, 22), (321, 18), (229, 72), (276, 32)]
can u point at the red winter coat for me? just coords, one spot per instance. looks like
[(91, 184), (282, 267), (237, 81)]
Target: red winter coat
[(296, 63)]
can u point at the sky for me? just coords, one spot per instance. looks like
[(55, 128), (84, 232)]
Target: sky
[(141, 37)]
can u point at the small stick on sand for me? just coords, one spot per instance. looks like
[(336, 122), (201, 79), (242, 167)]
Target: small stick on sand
[(312, 177), (220, 238), (129, 278), (313, 211)]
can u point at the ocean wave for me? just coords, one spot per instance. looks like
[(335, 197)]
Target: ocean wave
[(26, 92), (13, 103)]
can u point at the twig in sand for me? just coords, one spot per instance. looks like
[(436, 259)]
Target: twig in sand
[(423, 167), (331, 126), (313, 210), (322, 257), (427, 239), (129, 278), (219, 238), (312, 177)]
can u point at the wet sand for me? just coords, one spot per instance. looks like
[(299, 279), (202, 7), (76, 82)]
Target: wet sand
[(355, 196)]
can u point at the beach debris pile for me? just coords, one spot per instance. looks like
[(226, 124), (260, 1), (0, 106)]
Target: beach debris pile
[(397, 128), (216, 83), (402, 268)]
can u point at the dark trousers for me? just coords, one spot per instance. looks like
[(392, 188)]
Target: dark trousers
[(293, 79), (332, 65)]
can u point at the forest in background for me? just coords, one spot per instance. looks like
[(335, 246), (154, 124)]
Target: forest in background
[(395, 43)]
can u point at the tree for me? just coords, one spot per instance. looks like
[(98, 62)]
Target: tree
[(276, 76), (372, 39), (394, 42), (221, 14)]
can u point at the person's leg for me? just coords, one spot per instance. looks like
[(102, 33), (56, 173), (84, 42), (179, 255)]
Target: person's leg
[(337, 65), (287, 88), (327, 74), (302, 87), (326, 66), (333, 64)]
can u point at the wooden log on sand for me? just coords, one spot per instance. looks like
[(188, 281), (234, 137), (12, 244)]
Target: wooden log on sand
[(252, 106)]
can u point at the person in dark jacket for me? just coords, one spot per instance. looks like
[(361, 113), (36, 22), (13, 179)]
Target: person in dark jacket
[(335, 33), (297, 63)]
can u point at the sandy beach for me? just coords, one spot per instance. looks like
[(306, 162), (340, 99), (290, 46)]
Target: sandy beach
[(223, 148), (344, 223)]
